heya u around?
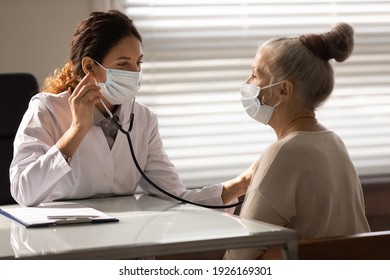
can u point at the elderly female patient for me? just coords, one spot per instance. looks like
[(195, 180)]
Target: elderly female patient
[(305, 180)]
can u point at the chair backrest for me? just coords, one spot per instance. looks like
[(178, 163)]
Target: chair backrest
[(16, 90), (364, 246)]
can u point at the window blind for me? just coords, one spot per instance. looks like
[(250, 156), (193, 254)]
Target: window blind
[(197, 52)]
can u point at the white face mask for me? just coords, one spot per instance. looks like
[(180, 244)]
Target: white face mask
[(120, 86), (253, 107)]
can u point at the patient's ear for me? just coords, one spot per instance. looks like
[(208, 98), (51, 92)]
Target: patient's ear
[(287, 90)]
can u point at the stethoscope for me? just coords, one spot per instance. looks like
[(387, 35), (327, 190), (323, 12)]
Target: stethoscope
[(154, 185)]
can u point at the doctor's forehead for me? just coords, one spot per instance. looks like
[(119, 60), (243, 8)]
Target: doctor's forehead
[(127, 48)]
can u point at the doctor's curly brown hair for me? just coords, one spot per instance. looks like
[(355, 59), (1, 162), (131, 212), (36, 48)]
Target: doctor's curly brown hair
[(94, 37)]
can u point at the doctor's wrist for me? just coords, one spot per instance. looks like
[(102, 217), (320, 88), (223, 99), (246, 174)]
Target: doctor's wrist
[(67, 159)]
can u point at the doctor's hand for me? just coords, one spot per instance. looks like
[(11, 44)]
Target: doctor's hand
[(82, 103), (238, 186)]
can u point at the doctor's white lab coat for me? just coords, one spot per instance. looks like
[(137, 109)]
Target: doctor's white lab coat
[(39, 172)]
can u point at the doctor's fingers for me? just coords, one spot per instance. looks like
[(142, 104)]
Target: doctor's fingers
[(88, 80), (86, 94)]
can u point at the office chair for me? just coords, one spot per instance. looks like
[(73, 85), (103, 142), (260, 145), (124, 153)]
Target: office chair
[(16, 90)]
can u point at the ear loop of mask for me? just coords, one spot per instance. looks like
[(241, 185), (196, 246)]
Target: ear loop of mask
[(263, 103), (100, 65), (262, 98)]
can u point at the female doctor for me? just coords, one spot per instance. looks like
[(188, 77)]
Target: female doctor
[(67, 147)]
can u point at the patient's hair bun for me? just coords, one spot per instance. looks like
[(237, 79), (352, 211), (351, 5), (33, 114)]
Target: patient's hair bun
[(336, 44)]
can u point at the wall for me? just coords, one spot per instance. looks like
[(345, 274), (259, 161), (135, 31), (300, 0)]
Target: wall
[(35, 35)]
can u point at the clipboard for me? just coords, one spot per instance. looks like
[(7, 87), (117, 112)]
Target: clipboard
[(55, 213)]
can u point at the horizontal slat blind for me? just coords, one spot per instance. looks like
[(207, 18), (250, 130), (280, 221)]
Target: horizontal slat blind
[(198, 52)]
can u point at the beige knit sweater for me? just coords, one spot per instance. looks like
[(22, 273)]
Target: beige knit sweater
[(305, 182)]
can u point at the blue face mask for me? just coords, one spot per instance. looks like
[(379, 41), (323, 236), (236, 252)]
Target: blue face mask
[(120, 86), (252, 106)]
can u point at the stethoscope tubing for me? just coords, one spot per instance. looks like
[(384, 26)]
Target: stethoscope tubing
[(127, 133)]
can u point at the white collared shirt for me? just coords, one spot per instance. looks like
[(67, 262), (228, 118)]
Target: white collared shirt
[(107, 125), (39, 172)]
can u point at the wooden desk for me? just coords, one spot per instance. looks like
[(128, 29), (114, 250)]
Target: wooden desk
[(147, 227)]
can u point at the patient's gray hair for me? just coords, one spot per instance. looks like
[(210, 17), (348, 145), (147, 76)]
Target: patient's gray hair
[(305, 61)]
